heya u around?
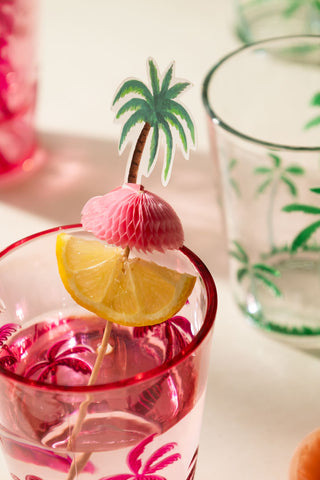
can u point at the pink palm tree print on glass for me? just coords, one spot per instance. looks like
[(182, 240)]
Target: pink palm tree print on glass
[(28, 477), (56, 359), (7, 359), (175, 333), (192, 465), (6, 331), (154, 463)]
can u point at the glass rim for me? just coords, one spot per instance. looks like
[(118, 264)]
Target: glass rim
[(208, 322), (224, 125)]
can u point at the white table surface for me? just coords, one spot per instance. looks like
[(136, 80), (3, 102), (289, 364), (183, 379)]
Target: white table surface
[(262, 397)]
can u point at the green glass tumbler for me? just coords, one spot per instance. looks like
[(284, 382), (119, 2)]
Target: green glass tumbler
[(263, 104), (257, 20)]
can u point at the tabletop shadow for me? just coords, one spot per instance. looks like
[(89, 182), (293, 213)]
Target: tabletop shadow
[(75, 169), (78, 168)]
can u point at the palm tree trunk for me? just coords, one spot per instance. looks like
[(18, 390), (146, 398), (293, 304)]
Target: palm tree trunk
[(137, 154)]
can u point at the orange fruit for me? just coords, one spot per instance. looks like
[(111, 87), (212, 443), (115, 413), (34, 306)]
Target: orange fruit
[(305, 463), (128, 291)]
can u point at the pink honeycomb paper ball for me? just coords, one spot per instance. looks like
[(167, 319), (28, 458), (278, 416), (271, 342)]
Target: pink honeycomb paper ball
[(132, 216)]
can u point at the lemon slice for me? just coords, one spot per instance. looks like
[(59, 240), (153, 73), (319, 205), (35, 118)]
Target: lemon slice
[(128, 291)]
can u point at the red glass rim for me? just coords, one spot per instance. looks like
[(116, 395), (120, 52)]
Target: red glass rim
[(212, 303)]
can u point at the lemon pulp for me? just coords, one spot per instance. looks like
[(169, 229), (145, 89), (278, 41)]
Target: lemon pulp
[(128, 291)]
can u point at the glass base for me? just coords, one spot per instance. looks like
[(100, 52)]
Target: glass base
[(294, 316), (304, 341)]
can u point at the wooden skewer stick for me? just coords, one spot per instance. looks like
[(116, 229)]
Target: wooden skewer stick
[(80, 461)]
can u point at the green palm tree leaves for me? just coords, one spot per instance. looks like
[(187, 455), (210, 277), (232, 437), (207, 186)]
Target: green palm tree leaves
[(277, 173), (239, 253), (257, 272), (230, 168), (153, 72), (315, 102), (169, 140), (137, 117), (156, 106), (304, 235), (133, 86), (295, 5), (292, 7)]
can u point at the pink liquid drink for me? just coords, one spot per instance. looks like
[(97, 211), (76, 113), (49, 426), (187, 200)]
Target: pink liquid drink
[(144, 411), (18, 154)]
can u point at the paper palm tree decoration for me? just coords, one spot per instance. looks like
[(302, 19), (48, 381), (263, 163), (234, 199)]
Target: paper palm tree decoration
[(256, 272), (158, 111), (304, 235), (275, 175)]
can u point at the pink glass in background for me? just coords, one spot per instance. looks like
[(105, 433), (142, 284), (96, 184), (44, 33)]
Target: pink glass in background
[(18, 88), (144, 414)]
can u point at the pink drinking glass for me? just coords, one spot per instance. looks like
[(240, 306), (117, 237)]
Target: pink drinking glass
[(143, 415), (19, 154)]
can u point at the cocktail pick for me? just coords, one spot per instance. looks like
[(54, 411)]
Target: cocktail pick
[(130, 216)]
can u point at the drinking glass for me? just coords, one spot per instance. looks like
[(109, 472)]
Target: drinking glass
[(261, 19), (19, 154), (143, 415), (263, 105)]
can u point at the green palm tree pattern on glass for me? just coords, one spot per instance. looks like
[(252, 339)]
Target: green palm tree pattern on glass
[(315, 102), (276, 175), (294, 5), (158, 110), (304, 235), (287, 10), (255, 272), (231, 166), (291, 6)]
